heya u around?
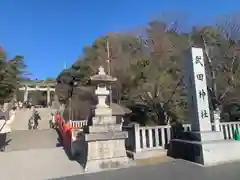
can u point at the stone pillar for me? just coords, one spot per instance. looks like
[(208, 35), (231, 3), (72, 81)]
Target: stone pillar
[(202, 144), (48, 96), (197, 91), (25, 94)]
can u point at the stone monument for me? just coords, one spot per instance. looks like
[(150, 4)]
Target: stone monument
[(201, 144), (105, 139)]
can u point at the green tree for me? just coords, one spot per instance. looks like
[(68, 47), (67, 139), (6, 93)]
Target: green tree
[(222, 52), (11, 73), (147, 69)]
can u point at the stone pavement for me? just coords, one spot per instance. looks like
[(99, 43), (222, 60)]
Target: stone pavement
[(37, 164), (179, 169), (31, 139), (35, 155)]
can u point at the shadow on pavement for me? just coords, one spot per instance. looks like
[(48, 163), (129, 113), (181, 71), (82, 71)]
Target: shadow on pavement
[(80, 158), (4, 141)]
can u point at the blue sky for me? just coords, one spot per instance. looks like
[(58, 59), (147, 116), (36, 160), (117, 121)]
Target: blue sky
[(51, 32)]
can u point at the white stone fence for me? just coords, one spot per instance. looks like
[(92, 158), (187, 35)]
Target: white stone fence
[(75, 124), (145, 138), (78, 124)]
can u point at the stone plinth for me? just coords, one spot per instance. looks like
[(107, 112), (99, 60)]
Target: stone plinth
[(106, 155), (207, 153), (206, 148), (105, 144), (105, 128), (101, 120), (203, 136), (103, 111), (105, 149), (105, 136)]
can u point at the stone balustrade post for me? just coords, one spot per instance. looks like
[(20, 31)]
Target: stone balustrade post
[(216, 118), (137, 147)]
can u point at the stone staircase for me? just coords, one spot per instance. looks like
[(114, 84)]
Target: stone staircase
[(23, 115), (31, 139), (35, 155), (37, 164)]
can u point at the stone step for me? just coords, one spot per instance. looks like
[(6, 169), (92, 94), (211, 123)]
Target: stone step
[(22, 117), (37, 164), (31, 139)]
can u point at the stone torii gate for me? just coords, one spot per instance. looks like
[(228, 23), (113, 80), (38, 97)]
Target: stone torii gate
[(37, 86)]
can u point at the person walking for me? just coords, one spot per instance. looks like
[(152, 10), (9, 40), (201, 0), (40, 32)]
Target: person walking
[(6, 118), (35, 118)]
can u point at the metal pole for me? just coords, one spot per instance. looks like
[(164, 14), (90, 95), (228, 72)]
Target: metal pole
[(216, 111), (69, 108), (214, 84), (108, 58), (109, 70), (212, 72)]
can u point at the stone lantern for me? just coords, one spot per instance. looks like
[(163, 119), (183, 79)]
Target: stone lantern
[(105, 139)]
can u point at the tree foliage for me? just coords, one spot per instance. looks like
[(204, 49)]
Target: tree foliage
[(149, 66), (11, 73)]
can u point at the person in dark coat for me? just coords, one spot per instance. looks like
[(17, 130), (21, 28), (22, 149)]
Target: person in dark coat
[(4, 128)]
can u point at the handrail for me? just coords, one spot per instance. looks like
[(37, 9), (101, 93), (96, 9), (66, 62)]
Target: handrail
[(226, 123)]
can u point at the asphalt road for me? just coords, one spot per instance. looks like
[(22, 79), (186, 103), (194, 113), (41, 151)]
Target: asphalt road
[(179, 169)]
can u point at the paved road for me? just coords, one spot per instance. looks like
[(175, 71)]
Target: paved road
[(179, 169)]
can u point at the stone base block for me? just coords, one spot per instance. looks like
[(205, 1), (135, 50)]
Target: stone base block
[(103, 111), (106, 136), (105, 128), (103, 120), (207, 153), (106, 154), (106, 164), (204, 135), (106, 149)]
